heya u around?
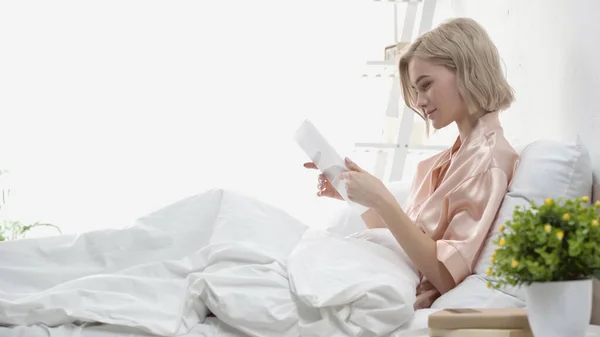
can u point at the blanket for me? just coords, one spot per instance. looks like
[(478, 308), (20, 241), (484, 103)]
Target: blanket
[(258, 270)]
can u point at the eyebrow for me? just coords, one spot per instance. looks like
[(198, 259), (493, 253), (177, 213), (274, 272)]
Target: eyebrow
[(419, 79)]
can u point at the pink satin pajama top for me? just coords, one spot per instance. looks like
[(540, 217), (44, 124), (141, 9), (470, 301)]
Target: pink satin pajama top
[(455, 197)]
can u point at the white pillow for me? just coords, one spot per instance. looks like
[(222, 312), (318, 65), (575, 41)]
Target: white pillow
[(474, 293), (347, 222), (547, 169)]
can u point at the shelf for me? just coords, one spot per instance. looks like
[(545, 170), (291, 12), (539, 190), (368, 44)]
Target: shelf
[(381, 63), (381, 69), (397, 146), (377, 145), (397, 1)]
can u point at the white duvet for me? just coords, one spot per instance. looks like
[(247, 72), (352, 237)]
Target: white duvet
[(258, 270)]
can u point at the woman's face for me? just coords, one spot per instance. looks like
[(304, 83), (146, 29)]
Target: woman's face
[(437, 93)]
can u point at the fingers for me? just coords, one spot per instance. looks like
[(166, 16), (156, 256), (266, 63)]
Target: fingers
[(321, 192), (323, 181), (310, 165), (324, 187), (349, 164), (347, 175), (352, 165)]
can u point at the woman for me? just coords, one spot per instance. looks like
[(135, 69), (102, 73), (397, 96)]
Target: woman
[(451, 74)]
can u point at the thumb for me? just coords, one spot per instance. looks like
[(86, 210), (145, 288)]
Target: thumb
[(352, 165)]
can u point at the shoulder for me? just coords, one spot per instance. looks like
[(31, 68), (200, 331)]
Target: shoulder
[(489, 149), (501, 155), (488, 154), (488, 169)]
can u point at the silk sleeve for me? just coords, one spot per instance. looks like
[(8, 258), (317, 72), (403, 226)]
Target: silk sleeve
[(472, 208)]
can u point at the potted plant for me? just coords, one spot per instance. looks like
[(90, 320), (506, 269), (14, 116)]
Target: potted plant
[(553, 251), (15, 230)]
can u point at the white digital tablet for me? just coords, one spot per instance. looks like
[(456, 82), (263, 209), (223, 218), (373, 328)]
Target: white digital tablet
[(326, 158)]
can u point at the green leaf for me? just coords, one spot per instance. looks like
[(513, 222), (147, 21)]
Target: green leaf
[(544, 256), (13, 230)]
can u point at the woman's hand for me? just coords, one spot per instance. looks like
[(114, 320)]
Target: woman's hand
[(324, 186), (364, 188)]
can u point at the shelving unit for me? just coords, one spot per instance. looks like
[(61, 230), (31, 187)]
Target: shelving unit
[(398, 1), (381, 69), (397, 131)]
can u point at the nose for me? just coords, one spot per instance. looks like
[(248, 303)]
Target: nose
[(422, 101)]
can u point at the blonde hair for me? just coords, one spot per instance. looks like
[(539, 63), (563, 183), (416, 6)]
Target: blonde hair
[(464, 47)]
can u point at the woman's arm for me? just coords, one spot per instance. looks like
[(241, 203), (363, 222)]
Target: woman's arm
[(472, 207), (419, 247), (369, 191), (372, 219)]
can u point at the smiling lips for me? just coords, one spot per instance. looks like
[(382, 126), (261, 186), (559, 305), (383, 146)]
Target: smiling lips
[(430, 112)]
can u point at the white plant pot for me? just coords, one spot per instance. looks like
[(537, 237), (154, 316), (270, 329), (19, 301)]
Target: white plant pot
[(559, 309)]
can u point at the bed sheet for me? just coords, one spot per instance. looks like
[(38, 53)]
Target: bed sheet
[(211, 327), (259, 270), (256, 268)]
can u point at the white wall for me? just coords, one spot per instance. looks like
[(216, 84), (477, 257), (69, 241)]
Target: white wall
[(112, 109), (77, 104), (550, 48)]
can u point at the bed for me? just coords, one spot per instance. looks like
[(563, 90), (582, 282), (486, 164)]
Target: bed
[(224, 264)]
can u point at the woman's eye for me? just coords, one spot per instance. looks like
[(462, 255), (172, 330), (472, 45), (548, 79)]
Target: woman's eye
[(425, 85)]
